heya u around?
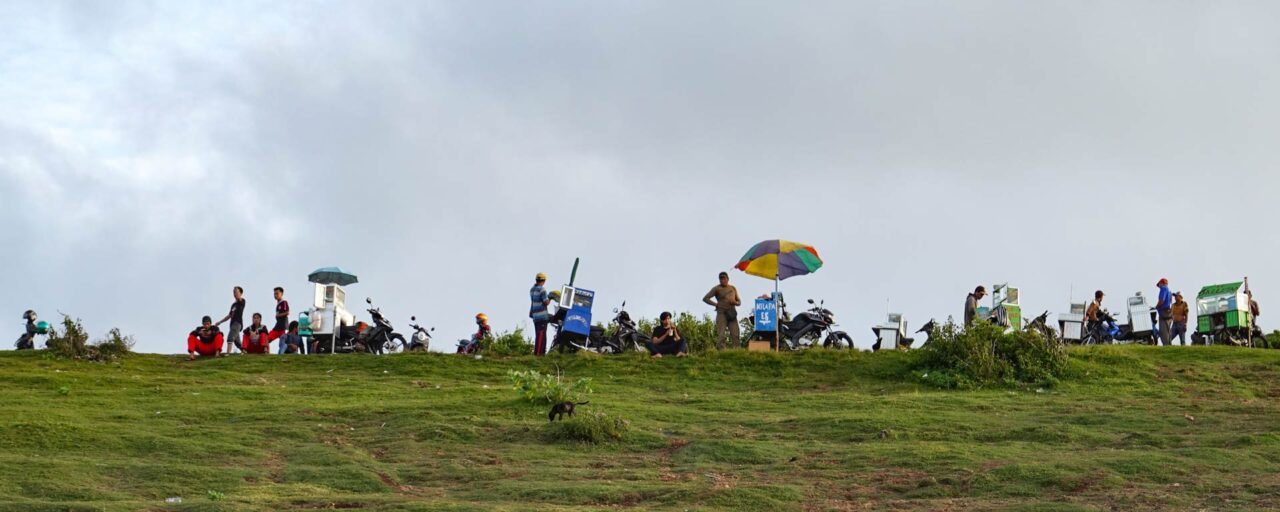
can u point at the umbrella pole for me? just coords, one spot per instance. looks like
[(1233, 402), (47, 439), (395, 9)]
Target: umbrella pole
[(777, 317)]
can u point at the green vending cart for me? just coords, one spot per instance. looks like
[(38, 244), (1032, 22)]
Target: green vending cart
[(1222, 315)]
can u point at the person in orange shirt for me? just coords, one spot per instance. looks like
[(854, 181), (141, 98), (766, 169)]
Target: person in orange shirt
[(1181, 312)]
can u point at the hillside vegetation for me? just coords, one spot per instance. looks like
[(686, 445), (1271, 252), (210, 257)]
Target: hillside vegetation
[(1129, 428)]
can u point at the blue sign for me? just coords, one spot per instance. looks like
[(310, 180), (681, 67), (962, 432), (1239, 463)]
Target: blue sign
[(766, 315), (578, 318)]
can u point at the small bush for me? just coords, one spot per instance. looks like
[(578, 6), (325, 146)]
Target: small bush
[(72, 343), (507, 344), (541, 388), (985, 355), (588, 427)]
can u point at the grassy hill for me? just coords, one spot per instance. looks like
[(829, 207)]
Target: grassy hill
[(1133, 428)]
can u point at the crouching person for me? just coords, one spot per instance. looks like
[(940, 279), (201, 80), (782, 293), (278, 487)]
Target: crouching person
[(256, 339), (291, 342), (205, 340), (667, 339)]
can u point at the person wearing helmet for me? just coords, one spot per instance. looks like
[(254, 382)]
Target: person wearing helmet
[(483, 331), (205, 340), (27, 340), (539, 300)]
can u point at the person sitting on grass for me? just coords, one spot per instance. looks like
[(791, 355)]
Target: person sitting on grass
[(205, 340), (667, 339), (256, 339), (291, 343)]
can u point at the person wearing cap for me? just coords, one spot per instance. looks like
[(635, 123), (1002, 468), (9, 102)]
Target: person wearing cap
[(666, 339), (539, 300), (726, 303), (971, 305), (483, 331), (205, 340), (1164, 308), (1180, 311)]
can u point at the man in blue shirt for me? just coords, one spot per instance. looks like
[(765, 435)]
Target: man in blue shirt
[(538, 312), (1164, 306)]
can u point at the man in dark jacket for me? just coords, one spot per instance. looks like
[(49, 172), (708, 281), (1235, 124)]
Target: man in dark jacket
[(666, 339)]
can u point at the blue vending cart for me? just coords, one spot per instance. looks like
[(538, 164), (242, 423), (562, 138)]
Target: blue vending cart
[(577, 302), (765, 317)]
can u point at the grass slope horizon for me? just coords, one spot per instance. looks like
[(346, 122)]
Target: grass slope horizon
[(1132, 428)]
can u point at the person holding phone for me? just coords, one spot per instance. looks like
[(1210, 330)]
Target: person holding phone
[(666, 339)]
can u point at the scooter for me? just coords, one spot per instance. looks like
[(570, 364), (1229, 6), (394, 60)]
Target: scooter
[(626, 336), (421, 339), (1104, 332), (806, 329), (381, 337)]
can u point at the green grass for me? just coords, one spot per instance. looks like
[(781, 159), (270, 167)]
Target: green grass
[(1131, 428)]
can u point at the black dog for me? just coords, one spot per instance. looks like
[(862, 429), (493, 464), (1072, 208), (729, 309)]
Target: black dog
[(561, 409)]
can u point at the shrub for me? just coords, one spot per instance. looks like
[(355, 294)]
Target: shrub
[(588, 427), (985, 355), (507, 344), (541, 388), (71, 343)]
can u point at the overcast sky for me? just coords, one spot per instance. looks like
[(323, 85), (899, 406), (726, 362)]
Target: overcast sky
[(155, 154)]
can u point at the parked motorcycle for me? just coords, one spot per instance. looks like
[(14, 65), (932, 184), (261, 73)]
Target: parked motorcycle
[(381, 338), (807, 328), (421, 339), (626, 336), (1041, 325)]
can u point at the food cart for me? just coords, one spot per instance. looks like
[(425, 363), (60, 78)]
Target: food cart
[(328, 314), (1223, 315), (1005, 309)]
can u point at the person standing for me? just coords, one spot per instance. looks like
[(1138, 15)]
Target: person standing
[(666, 339), (971, 305), (236, 315), (282, 315), (539, 300), (1180, 312), (1164, 311), (726, 304)]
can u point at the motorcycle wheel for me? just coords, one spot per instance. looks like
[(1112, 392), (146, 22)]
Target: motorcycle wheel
[(394, 345), (838, 340)]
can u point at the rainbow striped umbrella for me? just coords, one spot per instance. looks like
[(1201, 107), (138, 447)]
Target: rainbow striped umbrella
[(780, 259)]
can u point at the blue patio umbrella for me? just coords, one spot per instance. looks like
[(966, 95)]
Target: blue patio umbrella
[(332, 275)]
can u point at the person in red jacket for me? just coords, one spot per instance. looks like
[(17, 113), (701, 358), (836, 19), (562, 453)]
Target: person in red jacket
[(205, 340), (256, 339)]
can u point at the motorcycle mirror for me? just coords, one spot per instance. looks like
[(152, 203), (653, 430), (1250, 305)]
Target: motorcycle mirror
[(413, 319), (624, 304), (811, 301), (433, 329), (368, 300)]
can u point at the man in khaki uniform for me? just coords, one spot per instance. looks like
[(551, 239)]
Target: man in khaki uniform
[(726, 304)]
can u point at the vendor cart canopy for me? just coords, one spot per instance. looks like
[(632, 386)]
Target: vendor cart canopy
[(1220, 289)]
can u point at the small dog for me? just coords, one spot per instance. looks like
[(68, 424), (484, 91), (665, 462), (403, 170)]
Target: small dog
[(561, 409)]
